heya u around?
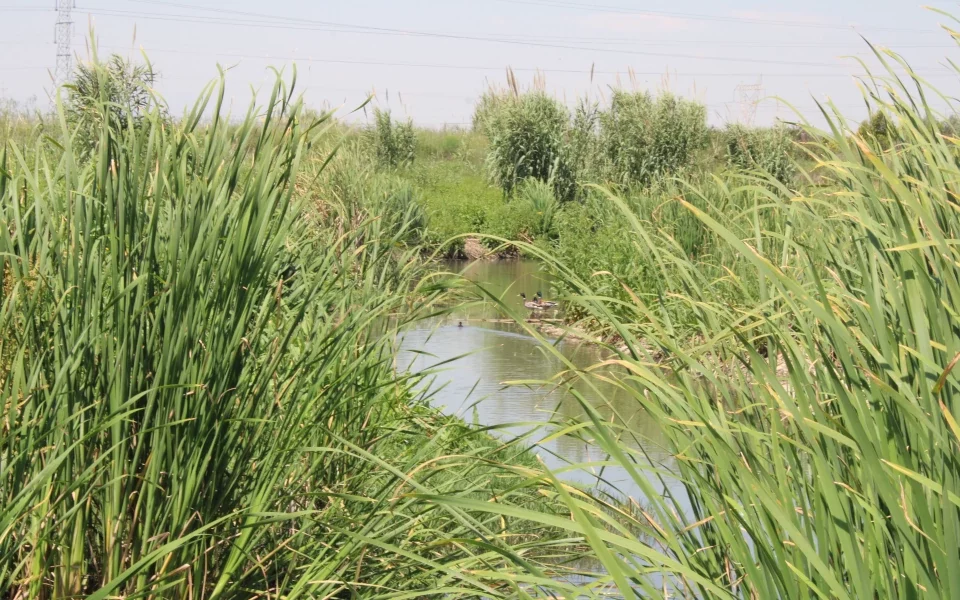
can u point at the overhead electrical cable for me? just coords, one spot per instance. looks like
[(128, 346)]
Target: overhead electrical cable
[(594, 7), (623, 72), (180, 18), (705, 17)]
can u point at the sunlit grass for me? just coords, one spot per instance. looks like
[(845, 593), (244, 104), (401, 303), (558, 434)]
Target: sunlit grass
[(814, 419), (198, 382)]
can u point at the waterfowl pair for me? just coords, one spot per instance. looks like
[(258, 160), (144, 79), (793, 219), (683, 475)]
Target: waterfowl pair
[(538, 303)]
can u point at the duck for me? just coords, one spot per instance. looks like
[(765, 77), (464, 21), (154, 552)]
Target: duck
[(545, 303), (531, 304)]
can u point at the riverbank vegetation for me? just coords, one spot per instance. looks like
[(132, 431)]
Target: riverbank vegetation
[(197, 352), (822, 462), (197, 371)]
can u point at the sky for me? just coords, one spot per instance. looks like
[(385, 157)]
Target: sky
[(431, 59)]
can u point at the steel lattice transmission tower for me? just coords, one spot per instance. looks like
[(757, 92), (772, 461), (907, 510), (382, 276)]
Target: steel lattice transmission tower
[(64, 39), (748, 97)]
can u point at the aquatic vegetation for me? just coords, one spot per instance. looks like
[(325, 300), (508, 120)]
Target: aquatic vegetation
[(198, 385), (815, 421)]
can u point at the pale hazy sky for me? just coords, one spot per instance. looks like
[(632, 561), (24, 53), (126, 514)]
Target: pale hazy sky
[(434, 57)]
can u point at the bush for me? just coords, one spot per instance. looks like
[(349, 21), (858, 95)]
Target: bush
[(824, 378), (440, 145), (489, 104), (950, 126), (583, 140), (352, 193), (115, 92), (17, 121), (538, 200), (879, 130), (456, 203), (766, 150), (643, 138), (528, 140), (200, 391), (395, 142)]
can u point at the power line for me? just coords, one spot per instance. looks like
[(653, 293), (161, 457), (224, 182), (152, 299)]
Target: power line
[(528, 37), (705, 17), (621, 41), (598, 39), (600, 8), (308, 59), (662, 73), (351, 28)]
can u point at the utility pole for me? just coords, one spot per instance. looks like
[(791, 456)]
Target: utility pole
[(64, 40)]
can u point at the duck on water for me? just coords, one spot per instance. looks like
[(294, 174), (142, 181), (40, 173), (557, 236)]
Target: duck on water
[(538, 303)]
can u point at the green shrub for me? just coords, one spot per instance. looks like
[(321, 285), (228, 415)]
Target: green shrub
[(511, 220), (583, 140), (767, 150), (18, 120), (486, 109), (440, 145), (643, 138), (116, 92), (537, 199), (816, 419), (456, 201), (200, 391), (395, 142), (351, 192), (592, 238), (878, 130), (528, 140), (950, 126)]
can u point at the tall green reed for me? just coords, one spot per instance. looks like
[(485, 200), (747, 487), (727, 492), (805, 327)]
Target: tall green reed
[(814, 424), (198, 384)]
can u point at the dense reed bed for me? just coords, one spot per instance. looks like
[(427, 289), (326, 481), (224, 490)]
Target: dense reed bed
[(197, 372), (814, 420), (197, 347)]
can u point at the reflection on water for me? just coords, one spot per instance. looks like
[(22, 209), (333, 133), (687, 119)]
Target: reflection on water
[(487, 354)]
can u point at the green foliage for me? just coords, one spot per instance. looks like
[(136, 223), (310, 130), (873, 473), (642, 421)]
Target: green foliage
[(18, 121), (757, 149), (451, 145), (352, 194), (878, 131), (440, 145), (583, 141), (458, 201), (116, 93), (812, 404), (542, 205), (198, 385), (596, 237), (951, 126), (528, 140), (394, 142), (485, 112), (643, 138)]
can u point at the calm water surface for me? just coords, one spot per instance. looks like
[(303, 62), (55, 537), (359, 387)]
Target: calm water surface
[(484, 355)]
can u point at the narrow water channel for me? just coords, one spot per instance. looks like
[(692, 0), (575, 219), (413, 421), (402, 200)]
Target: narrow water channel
[(485, 353)]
